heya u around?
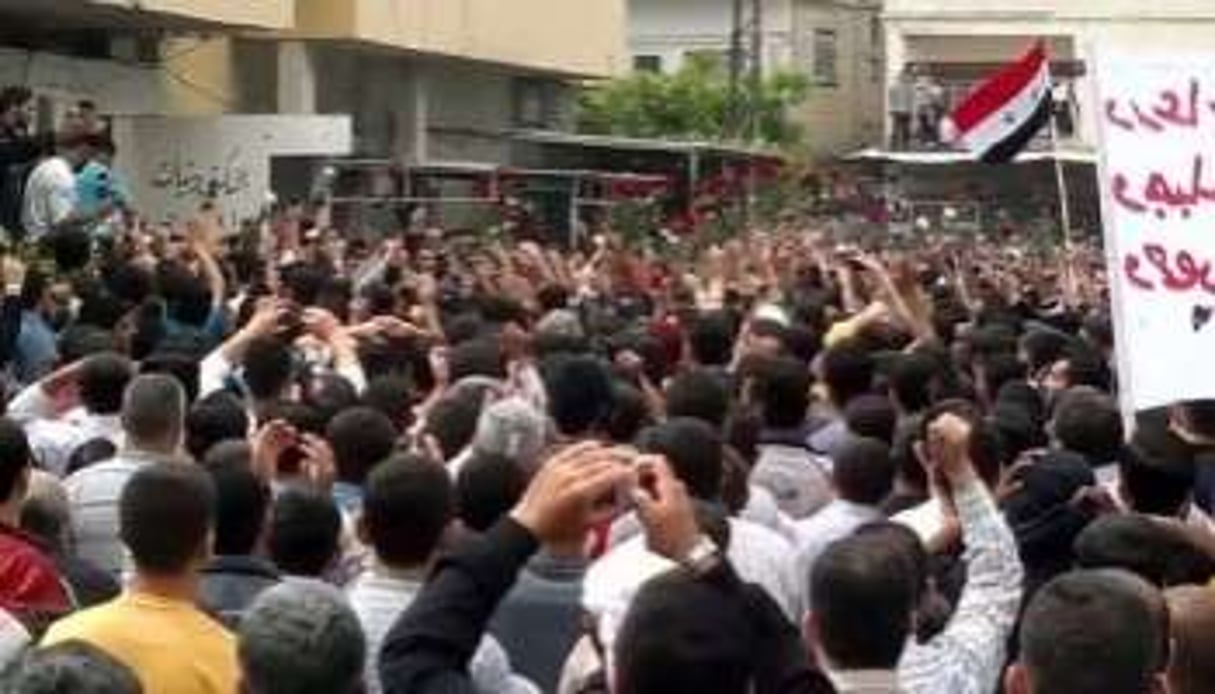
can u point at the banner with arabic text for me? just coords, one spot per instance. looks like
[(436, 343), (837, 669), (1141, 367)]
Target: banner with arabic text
[(1157, 139)]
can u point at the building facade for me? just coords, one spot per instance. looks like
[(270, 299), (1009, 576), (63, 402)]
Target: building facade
[(836, 43), (946, 46), (422, 79)]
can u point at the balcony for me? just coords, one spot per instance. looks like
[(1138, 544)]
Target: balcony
[(573, 37), (938, 88)]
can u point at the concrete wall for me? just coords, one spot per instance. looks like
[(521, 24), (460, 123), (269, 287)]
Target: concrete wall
[(1053, 9), (846, 115), (929, 37), (270, 14), (583, 37), (673, 28), (198, 80)]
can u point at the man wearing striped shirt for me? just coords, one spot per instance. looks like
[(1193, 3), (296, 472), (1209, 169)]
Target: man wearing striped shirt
[(408, 507), (153, 416)]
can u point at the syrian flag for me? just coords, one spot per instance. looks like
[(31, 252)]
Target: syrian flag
[(999, 118)]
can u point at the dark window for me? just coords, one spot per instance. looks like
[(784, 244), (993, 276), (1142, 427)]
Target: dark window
[(647, 63), (826, 57)]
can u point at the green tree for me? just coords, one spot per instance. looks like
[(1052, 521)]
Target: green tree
[(693, 103)]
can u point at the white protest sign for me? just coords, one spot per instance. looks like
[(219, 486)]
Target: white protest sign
[(1157, 179), (173, 164)]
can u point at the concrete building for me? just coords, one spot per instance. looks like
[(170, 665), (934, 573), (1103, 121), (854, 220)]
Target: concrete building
[(936, 51), (423, 79), (955, 43), (837, 43)]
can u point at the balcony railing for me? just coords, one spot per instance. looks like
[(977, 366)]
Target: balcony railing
[(919, 129)]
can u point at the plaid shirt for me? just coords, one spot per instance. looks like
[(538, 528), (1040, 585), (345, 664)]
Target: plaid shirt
[(968, 657)]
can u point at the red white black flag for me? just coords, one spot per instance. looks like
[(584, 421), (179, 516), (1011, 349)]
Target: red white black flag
[(999, 118)]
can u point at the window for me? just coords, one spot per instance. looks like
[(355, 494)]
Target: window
[(538, 103), (826, 54), (647, 63)]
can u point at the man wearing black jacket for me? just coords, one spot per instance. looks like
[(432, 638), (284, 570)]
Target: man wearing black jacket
[(428, 649), (18, 153)]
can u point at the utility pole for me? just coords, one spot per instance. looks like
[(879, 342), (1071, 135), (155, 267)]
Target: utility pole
[(734, 110), (757, 68)]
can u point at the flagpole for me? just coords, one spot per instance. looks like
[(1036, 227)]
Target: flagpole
[(1065, 211), (1065, 214)]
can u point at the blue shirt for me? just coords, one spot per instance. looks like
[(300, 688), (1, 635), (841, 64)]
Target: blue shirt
[(37, 349), (97, 184)]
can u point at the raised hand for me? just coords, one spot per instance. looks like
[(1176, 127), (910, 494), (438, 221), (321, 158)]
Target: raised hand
[(572, 491)]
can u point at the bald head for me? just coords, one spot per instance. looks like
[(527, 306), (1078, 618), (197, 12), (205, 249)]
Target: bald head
[(1192, 613)]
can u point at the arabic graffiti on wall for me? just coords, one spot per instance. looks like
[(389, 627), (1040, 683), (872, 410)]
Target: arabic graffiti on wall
[(183, 177), (1157, 125)]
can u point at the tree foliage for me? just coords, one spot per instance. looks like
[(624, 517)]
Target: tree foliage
[(693, 103)]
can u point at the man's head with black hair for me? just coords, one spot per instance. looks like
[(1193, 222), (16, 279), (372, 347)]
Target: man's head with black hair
[(863, 471), (701, 394), (452, 421), (330, 394), (1093, 632), (994, 371), (15, 462), (268, 368), (694, 450), (1041, 348), (781, 388), (187, 297), (15, 102), (863, 599), (986, 449), (302, 282), (1159, 554), (479, 357), (73, 666), (242, 498), (1192, 627), (679, 636), (711, 339), (305, 528), (847, 370), (1155, 485), (217, 417), (1196, 418), (630, 412), (103, 380), (487, 488), (1088, 422), (872, 416), (166, 516), (408, 503), (361, 438), (914, 380), (802, 343), (579, 394), (392, 396)]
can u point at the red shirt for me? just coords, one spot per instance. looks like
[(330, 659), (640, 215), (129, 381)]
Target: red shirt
[(29, 582)]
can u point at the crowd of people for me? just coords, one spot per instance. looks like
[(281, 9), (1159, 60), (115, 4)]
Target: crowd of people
[(289, 459)]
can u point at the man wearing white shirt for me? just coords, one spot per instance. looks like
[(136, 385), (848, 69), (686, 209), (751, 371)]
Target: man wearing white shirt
[(863, 476), (760, 555), (98, 383), (928, 519), (153, 419), (51, 198)]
